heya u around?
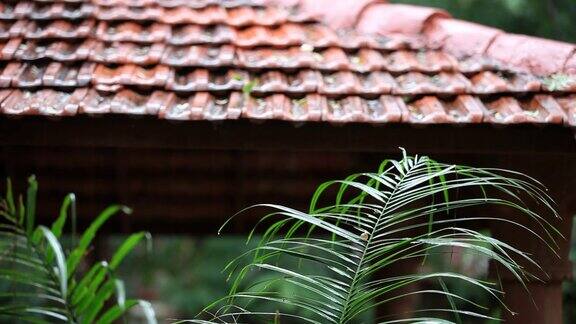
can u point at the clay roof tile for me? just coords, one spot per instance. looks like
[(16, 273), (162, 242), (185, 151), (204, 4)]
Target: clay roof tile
[(397, 19), (342, 14), (459, 37), (570, 66), (337, 61), (536, 55)]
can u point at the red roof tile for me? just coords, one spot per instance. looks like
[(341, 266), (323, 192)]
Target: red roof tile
[(539, 56), (301, 60), (397, 19), (460, 38), (570, 66), (340, 14)]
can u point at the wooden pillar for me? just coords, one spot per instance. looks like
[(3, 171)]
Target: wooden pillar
[(542, 303)]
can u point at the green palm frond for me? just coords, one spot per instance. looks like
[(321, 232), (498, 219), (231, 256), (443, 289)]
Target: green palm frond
[(403, 213), (44, 283)]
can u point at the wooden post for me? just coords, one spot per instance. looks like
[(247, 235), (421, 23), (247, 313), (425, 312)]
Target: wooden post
[(542, 302), (539, 302)]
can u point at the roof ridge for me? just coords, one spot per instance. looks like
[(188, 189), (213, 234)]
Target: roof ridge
[(258, 60), (536, 55)]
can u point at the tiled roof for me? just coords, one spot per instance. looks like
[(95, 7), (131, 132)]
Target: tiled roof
[(296, 60)]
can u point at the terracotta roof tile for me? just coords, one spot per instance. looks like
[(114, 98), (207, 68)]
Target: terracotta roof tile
[(59, 10), (416, 83), (29, 76), (3, 95), (7, 73), (132, 103), (95, 102), (339, 83), (202, 105), (336, 61), (9, 11), (43, 102), (570, 66), (198, 34), (342, 14), (428, 110), (536, 110), (397, 19), (488, 82), (127, 53), (465, 109), (199, 56), (531, 54), (460, 38), (549, 110), (128, 13), (568, 105), (192, 80), (64, 75), (386, 109), (132, 32), (375, 83), (134, 3), (62, 29), (12, 28), (260, 16), (9, 47), (155, 76), (113, 75)]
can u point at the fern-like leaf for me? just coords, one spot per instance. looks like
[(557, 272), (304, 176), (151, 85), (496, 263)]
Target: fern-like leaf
[(45, 285), (404, 212)]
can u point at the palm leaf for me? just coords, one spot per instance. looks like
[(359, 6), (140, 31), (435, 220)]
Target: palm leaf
[(46, 285), (405, 211)]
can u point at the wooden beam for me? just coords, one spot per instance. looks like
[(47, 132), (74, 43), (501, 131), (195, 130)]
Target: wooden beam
[(146, 132)]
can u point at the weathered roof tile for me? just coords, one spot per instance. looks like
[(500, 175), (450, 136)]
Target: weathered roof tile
[(397, 19), (570, 66), (460, 38), (344, 110), (132, 103), (71, 76), (7, 73), (10, 11), (338, 61), (62, 29), (341, 14), (43, 102), (568, 105), (531, 54), (384, 109), (128, 13)]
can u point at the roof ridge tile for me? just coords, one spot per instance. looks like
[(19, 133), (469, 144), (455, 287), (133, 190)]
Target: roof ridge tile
[(570, 64), (405, 19), (461, 38), (531, 54), (342, 14)]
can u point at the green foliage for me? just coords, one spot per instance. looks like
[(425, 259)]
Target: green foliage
[(544, 18), (181, 272), (248, 88), (40, 280), (405, 212), (558, 82)]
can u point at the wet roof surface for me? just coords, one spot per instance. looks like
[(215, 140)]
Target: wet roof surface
[(362, 61)]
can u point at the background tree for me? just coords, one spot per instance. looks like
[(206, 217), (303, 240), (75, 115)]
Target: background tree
[(555, 19)]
